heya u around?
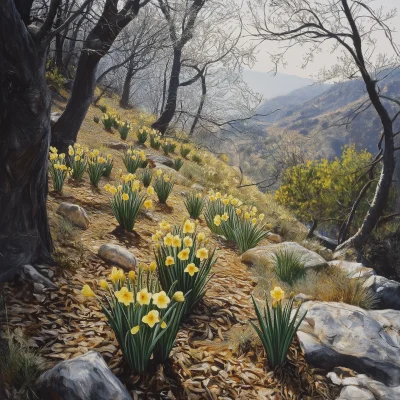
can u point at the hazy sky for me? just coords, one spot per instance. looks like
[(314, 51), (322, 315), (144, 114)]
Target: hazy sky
[(294, 58)]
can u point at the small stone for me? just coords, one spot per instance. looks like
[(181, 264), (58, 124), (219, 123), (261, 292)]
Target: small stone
[(75, 214), (116, 145), (274, 237), (302, 297), (355, 392), (28, 272), (158, 159), (118, 255), (38, 288)]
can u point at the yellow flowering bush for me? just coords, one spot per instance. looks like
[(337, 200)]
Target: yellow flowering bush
[(96, 166), (134, 159), (276, 326), (142, 134), (155, 142), (77, 160), (182, 257), (108, 165), (194, 203), (58, 169), (168, 146), (163, 186), (107, 121), (127, 200), (144, 318)]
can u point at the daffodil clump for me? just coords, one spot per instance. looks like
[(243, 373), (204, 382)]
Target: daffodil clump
[(182, 257), (178, 164), (96, 166), (163, 186), (144, 318), (185, 151), (134, 159), (168, 146), (123, 129), (194, 203), (147, 176), (108, 165), (277, 326), (58, 169), (77, 160), (107, 121), (127, 200), (143, 134), (155, 141), (226, 215)]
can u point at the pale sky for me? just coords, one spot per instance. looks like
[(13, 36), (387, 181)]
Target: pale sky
[(294, 58)]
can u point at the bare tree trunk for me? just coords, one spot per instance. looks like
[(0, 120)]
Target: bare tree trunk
[(168, 113), (201, 105), (312, 228), (24, 145), (96, 45), (124, 102)]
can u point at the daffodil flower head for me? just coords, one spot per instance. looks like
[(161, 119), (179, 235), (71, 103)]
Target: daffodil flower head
[(87, 291), (135, 330), (184, 254), (201, 237), (168, 239), (161, 300), (176, 241), (151, 318), (277, 293), (148, 204), (150, 190), (124, 296), (103, 284), (188, 241), (217, 220), (169, 261), (202, 253), (191, 269), (143, 297), (188, 226), (179, 297)]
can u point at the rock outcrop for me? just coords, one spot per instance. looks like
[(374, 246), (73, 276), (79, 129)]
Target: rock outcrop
[(75, 214), (118, 255), (386, 291), (353, 269), (81, 378)]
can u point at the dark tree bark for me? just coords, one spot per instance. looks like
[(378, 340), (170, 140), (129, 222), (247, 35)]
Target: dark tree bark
[(201, 104), (96, 45), (124, 102), (24, 143)]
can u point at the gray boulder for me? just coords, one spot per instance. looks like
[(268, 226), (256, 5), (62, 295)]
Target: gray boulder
[(386, 291), (338, 334), (353, 269), (158, 159), (118, 255), (116, 145), (75, 214), (364, 388), (265, 254), (86, 377)]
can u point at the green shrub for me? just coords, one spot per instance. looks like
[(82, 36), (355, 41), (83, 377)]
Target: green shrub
[(133, 160), (147, 176), (184, 151), (108, 166), (96, 120), (178, 163), (108, 122), (58, 169), (168, 147), (163, 186), (144, 319), (154, 141), (54, 77), (126, 202), (194, 203), (247, 233), (288, 266), (276, 327), (124, 129), (96, 165), (181, 257), (103, 108), (142, 135), (20, 367), (197, 159)]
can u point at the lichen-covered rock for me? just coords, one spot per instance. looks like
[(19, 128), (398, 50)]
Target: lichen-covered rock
[(176, 176), (86, 377), (338, 334), (353, 269), (265, 254), (118, 255), (75, 214), (386, 291)]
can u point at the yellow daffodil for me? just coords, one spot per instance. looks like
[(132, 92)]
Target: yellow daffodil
[(217, 220), (247, 215), (201, 237), (135, 330), (202, 253), (225, 217), (188, 227), (176, 241), (191, 269), (212, 198), (161, 300), (234, 201), (151, 318), (277, 293), (87, 291), (165, 225), (124, 296), (166, 178), (225, 201), (148, 204), (184, 254), (117, 275), (163, 325), (168, 239), (254, 221), (198, 195), (143, 297), (153, 266), (132, 275), (159, 172), (103, 284), (261, 217), (112, 190), (125, 196), (218, 195), (150, 190), (179, 297), (169, 261), (187, 241)]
